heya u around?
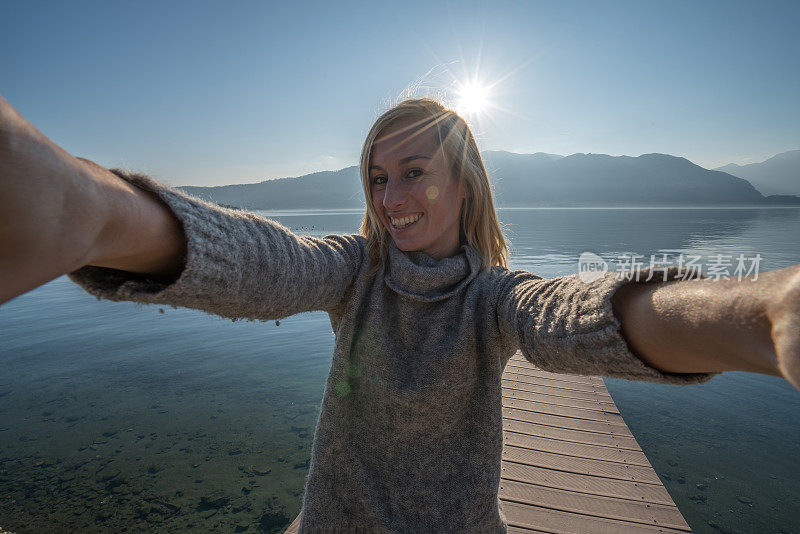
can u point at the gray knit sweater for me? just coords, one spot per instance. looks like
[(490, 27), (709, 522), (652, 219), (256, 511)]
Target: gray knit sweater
[(409, 437)]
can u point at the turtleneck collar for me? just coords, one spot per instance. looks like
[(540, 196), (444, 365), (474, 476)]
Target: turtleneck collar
[(420, 277)]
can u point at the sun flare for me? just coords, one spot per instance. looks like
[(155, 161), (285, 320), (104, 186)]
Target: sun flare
[(472, 98)]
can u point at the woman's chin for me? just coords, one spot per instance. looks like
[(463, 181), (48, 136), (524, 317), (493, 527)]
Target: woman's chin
[(406, 239), (406, 245)]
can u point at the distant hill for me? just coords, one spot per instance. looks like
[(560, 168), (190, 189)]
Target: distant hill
[(599, 179), (779, 175), (527, 180), (327, 189)]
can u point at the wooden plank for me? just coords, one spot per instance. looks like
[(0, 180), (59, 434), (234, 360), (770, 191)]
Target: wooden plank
[(567, 422), (527, 385), (560, 400), (510, 386), (532, 372), (593, 505), (621, 489), (564, 411), (558, 522), (527, 370), (583, 466), (565, 384), (598, 387), (568, 434), (519, 361), (578, 450)]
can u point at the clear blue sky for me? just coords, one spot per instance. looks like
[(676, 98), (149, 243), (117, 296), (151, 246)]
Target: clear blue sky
[(230, 92)]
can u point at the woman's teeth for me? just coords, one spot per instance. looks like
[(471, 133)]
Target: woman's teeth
[(405, 221)]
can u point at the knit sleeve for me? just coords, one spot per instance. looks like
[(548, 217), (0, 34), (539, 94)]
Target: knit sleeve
[(239, 265), (566, 325)]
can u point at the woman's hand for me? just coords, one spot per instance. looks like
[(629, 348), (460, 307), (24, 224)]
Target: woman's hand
[(44, 230), (716, 325), (783, 309), (59, 213)]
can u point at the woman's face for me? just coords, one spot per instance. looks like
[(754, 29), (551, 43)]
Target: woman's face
[(414, 191)]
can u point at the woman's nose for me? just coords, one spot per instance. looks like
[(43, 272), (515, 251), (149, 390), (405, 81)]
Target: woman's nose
[(394, 195)]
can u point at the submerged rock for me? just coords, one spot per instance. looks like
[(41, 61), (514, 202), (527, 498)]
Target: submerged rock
[(273, 517), (698, 498), (302, 465), (214, 500), (105, 477), (252, 470), (241, 504)]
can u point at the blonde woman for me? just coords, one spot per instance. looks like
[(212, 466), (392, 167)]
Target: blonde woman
[(425, 312)]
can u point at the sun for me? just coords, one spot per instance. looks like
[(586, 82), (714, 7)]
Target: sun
[(472, 98)]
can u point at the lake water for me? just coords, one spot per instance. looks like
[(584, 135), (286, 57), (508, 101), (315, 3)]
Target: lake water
[(117, 417)]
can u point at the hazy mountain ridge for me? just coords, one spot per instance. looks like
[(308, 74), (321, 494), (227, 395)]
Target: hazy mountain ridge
[(778, 175), (538, 179), (603, 180), (325, 189)]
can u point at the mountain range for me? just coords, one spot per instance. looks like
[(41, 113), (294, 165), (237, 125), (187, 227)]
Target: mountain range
[(530, 180), (779, 175)]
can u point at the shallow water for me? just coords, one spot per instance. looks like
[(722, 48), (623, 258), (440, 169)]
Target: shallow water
[(117, 417)]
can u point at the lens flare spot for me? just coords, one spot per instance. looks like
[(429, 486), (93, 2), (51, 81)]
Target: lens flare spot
[(432, 192), (342, 388)]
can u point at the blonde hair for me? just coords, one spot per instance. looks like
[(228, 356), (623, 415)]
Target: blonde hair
[(479, 225)]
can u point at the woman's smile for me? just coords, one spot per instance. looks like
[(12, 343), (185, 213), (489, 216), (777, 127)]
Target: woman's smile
[(401, 223)]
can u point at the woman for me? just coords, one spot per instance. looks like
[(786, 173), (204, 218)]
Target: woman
[(425, 313)]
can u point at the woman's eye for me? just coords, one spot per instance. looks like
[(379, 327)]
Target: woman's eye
[(414, 173), (378, 180)]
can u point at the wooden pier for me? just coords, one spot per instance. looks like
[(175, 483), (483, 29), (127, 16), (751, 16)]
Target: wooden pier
[(570, 463)]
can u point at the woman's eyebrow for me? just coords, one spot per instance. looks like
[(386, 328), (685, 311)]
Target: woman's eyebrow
[(402, 161), (410, 158)]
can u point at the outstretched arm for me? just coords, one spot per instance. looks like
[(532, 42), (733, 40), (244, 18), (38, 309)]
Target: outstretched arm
[(59, 213), (568, 325), (126, 237), (716, 325)]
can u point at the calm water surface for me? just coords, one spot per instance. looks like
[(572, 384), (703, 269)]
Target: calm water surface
[(119, 417)]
